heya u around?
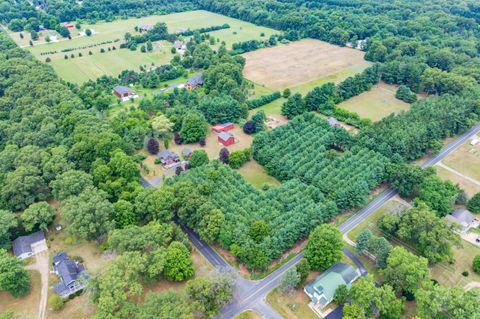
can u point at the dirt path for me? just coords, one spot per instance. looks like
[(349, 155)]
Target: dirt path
[(41, 265), (472, 285)]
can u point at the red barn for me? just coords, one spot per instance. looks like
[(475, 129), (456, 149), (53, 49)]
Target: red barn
[(226, 138), (223, 127)]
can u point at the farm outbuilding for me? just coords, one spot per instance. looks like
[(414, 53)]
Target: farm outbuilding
[(123, 93), (223, 127), (226, 138)]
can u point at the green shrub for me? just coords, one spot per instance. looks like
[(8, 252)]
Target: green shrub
[(465, 274), (476, 264), (55, 302), (156, 161), (68, 240)]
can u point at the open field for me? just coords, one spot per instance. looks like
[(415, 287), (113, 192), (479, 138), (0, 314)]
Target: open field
[(274, 107), (256, 175), (468, 186), (26, 306), (377, 103), (300, 63), (80, 69), (465, 160)]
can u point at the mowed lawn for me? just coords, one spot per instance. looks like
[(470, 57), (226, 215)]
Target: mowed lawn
[(255, 174), (302, 65), (465, 160), (377, 103), (468, 186), (80, 69)]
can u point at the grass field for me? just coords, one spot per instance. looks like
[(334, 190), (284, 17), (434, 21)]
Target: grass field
[(466, 160), (468, 186), (291, 307), (80, 69), (302, 65), (256, 175), (26, 306), (377, 103)]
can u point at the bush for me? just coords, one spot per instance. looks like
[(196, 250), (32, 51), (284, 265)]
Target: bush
[(88, 32), (238, 158), (465, 274), (68, 240), (198, 158), (152, 146), (476, 264), (341, 295), (286, 93), (474, 204), (55, 302), (249, 127), (48, 60), (156, 161)]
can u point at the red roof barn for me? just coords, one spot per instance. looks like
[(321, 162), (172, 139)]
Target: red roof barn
[(226, 138), (223, 127)]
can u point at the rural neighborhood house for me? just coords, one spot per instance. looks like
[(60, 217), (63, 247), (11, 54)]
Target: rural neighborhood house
[(30, 245), (71, 273)]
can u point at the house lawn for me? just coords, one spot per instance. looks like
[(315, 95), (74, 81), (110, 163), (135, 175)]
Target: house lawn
[(297, 64), (377, 103), (465, 160), (291, 306), (248, 314), (26, 306)]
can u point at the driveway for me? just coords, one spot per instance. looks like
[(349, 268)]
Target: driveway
[(41, 265)]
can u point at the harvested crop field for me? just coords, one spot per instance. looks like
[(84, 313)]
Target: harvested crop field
[(301, 62)]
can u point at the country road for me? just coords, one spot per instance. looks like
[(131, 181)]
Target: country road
[(251, 294)]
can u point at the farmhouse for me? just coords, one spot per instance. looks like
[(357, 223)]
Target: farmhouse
[(322, 289), (333, 121), (123, 93), (226, 138), (180, 47), (463, 218), (194, 82), (223, 127), (72, 275), (168, 158), (27, 246)]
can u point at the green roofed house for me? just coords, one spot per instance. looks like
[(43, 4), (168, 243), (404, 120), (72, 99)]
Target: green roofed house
[(322, 289)]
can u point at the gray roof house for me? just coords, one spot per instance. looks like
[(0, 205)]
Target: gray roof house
[(168, 158), (322, 289), (333, 121), (195, 82), (30, 245), (463, 218), (72, 275)]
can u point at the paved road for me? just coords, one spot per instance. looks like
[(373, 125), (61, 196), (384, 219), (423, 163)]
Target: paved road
[(251, 294)]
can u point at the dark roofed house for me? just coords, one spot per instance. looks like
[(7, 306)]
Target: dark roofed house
[(167, 158), (27, 246), (123, 93), (194, 82), (322, 289), (463, 218), (72, 275)]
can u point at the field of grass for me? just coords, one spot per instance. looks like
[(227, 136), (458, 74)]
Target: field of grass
[(257, 91), (80, 69), (466, 160), (302, 65), (469, 187), (291, 307), (274, 107), (249, 314), (26, 306), (256, 175), (377, 103)]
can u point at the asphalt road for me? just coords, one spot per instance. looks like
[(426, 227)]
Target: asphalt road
[(251, 294)]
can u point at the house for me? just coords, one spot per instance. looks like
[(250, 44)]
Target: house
[(186, 152), (194, 82), (145, 27), (475, 141), (322, 289), (180, 47), (123, 93), (223, 127), (463, 218), (68, 25), (167, 158), (71, 273), (226, 138), (333, 121), (27, 246)]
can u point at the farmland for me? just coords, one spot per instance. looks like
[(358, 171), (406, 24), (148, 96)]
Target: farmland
[(302, 65), (80, 69), (376, 103), (465, 160)]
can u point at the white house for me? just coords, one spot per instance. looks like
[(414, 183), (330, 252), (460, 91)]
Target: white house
[(27, 246)]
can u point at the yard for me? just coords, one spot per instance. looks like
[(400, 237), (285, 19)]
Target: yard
[(249, 314), (80, 69), (302, 65), (26, 306), (377, 103), (291, 307), (465, 160)]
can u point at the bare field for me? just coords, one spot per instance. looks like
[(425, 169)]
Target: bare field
[(377, 103), (300, 62)]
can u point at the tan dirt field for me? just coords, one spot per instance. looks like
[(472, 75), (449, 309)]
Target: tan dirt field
[(300, 62)]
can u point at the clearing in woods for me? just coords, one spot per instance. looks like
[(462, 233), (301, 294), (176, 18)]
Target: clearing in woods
[(376, 103), (108, 34), (302, 65)]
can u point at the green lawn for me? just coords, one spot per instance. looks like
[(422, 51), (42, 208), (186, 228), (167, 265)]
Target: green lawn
[(258, 90), (274, 107), (377, 103), (80, 69), (256, 175), (291, 307), (336, 78), (249, 314)]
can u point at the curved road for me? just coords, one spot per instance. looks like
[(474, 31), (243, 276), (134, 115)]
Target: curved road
[(251, 294)]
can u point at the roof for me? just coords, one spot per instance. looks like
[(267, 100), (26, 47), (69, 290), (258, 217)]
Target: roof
[(60, 257), (322, 289), (333, 121), (122, 89), (461, 216), (68, 270), (23, 244), (167, 154), (224, 136), (196, 80), (146, 27), (178, 44)]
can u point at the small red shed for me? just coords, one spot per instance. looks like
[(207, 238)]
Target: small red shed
[(226, 138), (223, 127)]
